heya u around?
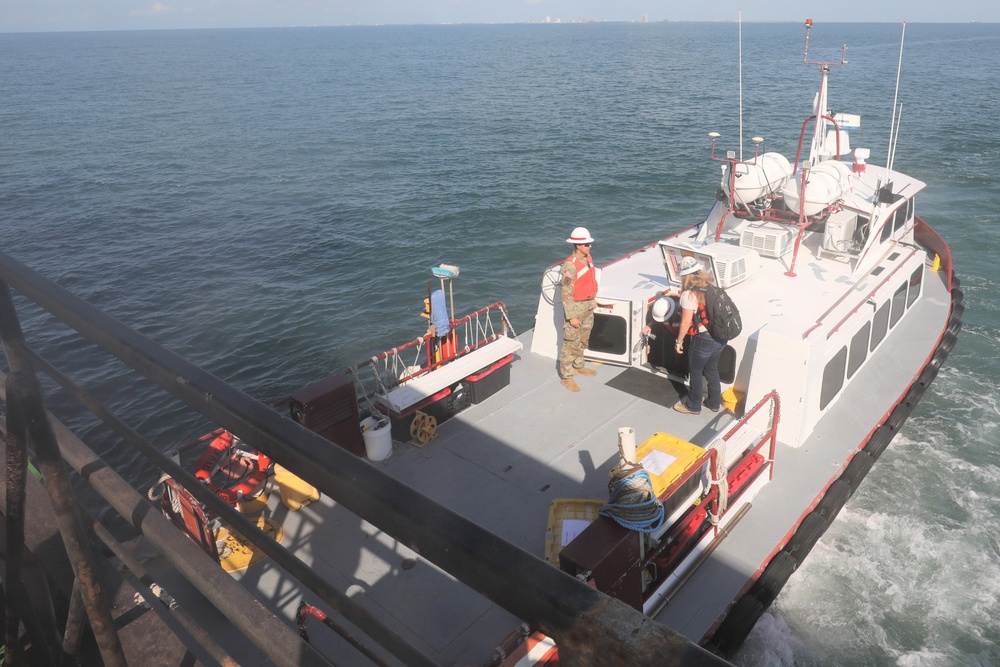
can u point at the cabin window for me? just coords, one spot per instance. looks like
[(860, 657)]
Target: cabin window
[(899, 218), (610, 334), (898, 304), (886, 230), (859, 349), (916, 279), (880, 325), (833, 378)]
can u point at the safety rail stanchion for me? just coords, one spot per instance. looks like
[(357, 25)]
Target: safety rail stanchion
[(285, 559), (18, 606), (25, 391), (74, 621), (306, 610), (196, 628)]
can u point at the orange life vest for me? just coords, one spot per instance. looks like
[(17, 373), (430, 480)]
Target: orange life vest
[(699, 320), (585, 285)]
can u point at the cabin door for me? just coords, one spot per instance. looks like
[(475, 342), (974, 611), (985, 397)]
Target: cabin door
[(617, 333)]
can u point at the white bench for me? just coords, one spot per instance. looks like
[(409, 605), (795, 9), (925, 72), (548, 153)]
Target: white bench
[(412, 392)]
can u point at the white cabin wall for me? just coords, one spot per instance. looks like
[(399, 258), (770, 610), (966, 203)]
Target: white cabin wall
[(547, 336), (780, 347)]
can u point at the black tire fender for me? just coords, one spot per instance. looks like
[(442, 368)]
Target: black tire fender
[(737, 624), (805, 538), (880, 439), (948, 341), (773, 578), (856, 470), (927, 375), (834, 498)]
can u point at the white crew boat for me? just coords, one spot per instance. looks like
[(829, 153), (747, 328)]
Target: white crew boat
[(849, 306)]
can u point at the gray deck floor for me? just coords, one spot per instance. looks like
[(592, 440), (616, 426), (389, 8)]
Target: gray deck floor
[(501, 463)]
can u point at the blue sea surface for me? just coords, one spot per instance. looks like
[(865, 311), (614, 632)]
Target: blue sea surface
[(268, 204)]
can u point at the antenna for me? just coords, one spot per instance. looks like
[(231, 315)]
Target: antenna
[(895, 109), (895, 138), (741, 84)]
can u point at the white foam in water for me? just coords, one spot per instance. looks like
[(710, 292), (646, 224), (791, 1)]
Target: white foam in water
[(909, 573)]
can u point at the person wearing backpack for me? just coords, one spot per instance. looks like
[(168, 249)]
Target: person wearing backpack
[(705, 349)]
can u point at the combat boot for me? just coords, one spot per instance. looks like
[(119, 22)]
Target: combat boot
[(570, 384), (584, 371)]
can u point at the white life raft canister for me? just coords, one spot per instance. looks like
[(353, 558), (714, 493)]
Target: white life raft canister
[(761, 176), (825, 183)]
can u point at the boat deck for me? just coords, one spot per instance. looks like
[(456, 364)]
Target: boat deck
[(502, 462)]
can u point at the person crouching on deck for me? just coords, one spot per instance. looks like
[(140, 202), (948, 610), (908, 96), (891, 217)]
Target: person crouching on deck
[(579, 287)]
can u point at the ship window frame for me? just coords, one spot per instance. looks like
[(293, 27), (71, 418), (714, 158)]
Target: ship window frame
[(900, 217), (880, 326), (602, 332), (916, 284), (898, 301), (859, 349), (886, 231), (833, 377)]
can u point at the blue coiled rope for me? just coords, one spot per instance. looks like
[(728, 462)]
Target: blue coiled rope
[(632, 503)]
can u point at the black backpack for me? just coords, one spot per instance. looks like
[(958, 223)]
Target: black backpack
[(724, 322)]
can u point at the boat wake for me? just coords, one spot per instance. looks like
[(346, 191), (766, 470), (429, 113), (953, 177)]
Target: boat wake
[(909, 574)]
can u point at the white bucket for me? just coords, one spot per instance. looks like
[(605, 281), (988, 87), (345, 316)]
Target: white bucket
[(377, 434)]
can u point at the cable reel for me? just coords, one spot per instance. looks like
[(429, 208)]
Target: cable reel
[(423, 428)]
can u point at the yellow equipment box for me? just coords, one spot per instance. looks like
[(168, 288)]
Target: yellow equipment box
[(567, 519), (666, 457)]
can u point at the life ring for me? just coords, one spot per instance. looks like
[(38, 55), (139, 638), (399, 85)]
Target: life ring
[(230, 469)]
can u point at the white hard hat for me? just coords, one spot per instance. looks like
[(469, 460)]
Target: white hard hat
[(662, 309), (690, 265), (580, 235)]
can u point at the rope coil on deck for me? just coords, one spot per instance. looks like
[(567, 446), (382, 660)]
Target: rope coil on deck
[(722, 481), (632, 503)]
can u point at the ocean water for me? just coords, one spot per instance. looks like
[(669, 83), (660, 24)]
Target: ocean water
[(268, 204)]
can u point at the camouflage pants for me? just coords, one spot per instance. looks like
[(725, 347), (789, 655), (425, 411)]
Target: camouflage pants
[(575, 339)]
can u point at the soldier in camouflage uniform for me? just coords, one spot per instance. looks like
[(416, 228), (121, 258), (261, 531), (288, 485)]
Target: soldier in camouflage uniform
[(579, 287)]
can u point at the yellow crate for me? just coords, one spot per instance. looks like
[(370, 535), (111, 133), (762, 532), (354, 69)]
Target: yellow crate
[(567, 518), (666, 457)]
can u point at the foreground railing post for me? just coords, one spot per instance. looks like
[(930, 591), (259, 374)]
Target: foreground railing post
[(18, 602), (25, 391)]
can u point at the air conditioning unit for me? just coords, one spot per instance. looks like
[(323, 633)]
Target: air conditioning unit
[(838, 236), (728, 264), (769, 239)]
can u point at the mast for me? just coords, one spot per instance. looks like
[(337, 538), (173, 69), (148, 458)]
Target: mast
[(816, 150)]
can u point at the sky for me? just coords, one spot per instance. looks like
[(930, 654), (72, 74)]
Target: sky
[(72, 15)]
